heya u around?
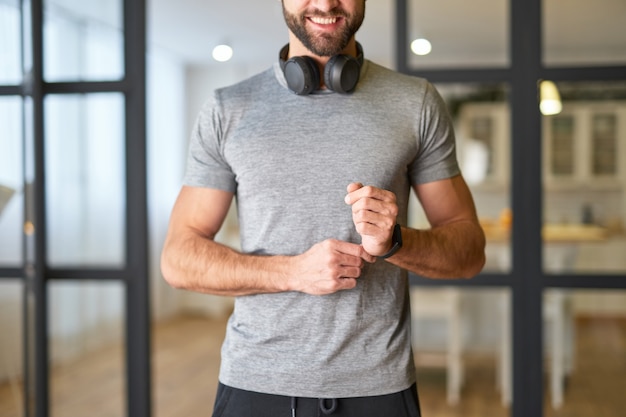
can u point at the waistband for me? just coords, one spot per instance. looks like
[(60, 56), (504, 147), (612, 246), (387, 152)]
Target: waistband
[(247, 403)]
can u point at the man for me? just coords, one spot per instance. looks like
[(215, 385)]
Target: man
[(322, 180)]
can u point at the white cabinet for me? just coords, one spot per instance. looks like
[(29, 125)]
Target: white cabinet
[(483, 131), (584, 146)]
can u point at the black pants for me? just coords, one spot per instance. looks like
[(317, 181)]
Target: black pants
[(233, 402)]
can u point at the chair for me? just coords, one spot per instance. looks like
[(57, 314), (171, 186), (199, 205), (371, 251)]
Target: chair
[(557, 313), (558, 322), (559, 331), (443, 304)]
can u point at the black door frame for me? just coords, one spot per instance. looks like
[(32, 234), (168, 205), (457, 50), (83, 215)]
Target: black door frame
[(527, 280), (35, 273)]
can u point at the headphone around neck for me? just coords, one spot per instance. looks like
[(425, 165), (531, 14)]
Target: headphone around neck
[(341, 72)]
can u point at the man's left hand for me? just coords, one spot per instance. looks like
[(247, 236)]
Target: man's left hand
[(374, 213)]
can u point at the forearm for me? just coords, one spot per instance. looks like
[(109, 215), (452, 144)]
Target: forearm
[(194, 261), (456, 250), (197, 263)]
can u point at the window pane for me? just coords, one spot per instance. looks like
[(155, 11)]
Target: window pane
[(481, 117), (562, 145), (83, 40), (461, 342), (11, 350), (11, 197), (584, 33), (480, 35), (604, 144), (10, 72), (27, 44), (86, 338), (585, 351), (85, 179), (585, 180)]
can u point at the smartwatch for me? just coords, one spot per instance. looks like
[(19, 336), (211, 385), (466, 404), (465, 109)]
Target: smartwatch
[(396, 242)]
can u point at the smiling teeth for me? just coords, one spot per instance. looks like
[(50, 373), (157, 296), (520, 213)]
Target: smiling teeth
[(324, 20)]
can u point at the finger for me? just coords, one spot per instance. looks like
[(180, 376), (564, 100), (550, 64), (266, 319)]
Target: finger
[(346, 283), (342, 282), (333, 286), (370, 229), (366, 256), (384, 208), (350, 272), (370, 192), (354, 186), (384, 221), (354, 254)]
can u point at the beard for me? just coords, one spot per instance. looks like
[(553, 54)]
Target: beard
[(326, 44)]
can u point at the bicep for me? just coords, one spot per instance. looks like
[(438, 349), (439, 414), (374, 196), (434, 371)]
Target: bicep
[(200, 210), (446, 201)]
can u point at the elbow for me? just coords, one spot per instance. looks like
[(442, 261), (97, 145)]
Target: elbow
[(169, 272), (477, 259), (475, 266)]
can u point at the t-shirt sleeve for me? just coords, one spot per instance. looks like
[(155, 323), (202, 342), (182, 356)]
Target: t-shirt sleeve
[(436, 159), (206, 164)]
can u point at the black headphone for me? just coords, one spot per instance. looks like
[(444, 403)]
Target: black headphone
[(341, 73)]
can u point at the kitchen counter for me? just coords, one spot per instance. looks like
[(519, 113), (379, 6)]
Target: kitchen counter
[(551, 232)]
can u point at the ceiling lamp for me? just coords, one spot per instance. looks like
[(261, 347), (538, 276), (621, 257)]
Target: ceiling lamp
[(550, 99), (222, 53), (421, 46)]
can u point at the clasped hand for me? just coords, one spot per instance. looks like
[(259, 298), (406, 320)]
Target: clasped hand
[(334, 265), (374, 213)]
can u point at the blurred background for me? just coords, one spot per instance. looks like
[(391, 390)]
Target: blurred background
[(70, 252)]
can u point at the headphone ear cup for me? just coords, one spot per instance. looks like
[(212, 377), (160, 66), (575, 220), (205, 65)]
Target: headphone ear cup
[(302, 75), (341, 73)]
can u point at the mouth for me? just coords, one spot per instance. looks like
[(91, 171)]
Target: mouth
[(324, 21)]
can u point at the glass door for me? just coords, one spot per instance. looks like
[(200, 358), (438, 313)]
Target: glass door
[(73, 240)]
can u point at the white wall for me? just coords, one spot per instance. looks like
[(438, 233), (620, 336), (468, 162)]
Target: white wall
[(167, 142)]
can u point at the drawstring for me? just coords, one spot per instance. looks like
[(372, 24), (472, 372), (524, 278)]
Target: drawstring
[(322, 402), (329, 410), (294, 403)]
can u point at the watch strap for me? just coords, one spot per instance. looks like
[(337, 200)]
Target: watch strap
[(396, 242)]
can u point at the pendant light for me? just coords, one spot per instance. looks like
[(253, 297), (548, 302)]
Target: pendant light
[(550, 99)]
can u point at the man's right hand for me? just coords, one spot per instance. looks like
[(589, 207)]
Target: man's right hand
[(328, 267), (193, 261)]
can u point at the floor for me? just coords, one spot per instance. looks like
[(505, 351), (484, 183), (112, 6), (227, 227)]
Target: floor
[(186, 361)]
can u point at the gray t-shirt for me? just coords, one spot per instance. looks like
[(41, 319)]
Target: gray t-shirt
[(289, 159)]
